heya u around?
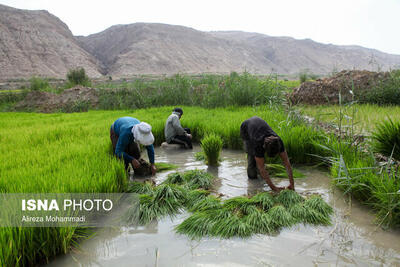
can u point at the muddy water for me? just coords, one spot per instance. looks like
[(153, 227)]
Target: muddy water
[(352, 240)]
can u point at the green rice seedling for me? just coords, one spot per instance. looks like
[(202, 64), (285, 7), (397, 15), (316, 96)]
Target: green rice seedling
[(386, 138), (279, 171), (148, 209), (264, 199), (260, 222), (200, 224), (207, 203), (170, 197), (195, 179), (195, 196), (231, 226), (288, 198), (174, 178), (242, 204), (212, 146), (316, 203), (298, 212), (200, 156), (162, 166), (140, 188), (314, 217), (280, 216)]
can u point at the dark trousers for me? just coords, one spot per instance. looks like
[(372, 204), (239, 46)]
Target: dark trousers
[(132, 149), (251, 163), (183, 140)]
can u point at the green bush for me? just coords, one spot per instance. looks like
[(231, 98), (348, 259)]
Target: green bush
[(38, 84), (212, 146), (77, 77), (303, 77), (386, 138), (385, 92)]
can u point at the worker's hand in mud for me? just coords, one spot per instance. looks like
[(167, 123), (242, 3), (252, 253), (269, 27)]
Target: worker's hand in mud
[(153, 169), (135, 163)]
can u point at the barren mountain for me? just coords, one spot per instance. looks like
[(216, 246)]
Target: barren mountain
[(38, 43), (144, 48)]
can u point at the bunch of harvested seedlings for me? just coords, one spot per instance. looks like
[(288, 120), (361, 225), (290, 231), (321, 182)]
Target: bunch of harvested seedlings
[(174, 178), (260, 222), (298, 212), (316, 203), (264, 199), (243, 205), (170, 195), (212, 146), (232, 226), (140, 188), (288, 198), (149, 209), (200, 224), (281, 217), (195, 196), (278, 170), (315, 217), (207, 203), (195, 179)]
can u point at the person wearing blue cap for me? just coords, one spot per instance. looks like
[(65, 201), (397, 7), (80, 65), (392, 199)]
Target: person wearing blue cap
[(126, 134)]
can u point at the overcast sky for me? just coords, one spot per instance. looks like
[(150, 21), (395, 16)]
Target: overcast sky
[(369, 23)]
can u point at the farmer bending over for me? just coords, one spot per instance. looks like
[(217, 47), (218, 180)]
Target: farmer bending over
[(126, 134), (174, 133), (258, 138)]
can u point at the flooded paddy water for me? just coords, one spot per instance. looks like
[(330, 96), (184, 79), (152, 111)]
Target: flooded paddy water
[(352, 240)]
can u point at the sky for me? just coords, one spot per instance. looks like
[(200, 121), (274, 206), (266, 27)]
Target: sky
[(368, 23)]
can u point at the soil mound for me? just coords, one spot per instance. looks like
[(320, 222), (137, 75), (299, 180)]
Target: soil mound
[(326, 91), (75, 99)]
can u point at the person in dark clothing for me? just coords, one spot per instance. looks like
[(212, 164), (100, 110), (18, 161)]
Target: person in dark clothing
[(126, 134), (175, 133), (259, 138)]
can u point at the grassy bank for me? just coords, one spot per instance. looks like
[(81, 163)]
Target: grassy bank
[(352, 163), (365, 116), (70, 153)]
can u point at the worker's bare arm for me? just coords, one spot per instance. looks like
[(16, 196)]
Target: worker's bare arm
[(264, 174), (285, 159)]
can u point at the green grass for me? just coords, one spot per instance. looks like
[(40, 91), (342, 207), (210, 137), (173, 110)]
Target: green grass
[(386, 139), (366, 116)]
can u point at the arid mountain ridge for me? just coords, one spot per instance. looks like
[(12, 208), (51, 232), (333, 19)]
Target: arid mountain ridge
[(38, 43)]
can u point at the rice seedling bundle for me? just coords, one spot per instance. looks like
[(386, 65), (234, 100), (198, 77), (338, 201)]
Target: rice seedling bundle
[(212, 146), (298, 212), (260, 222), (318, 204), (280, 216), (264, 199), (195, 179), (174, 178), (140, 188), (195, 196), (231, 226), (207, 203), (288, 198), (240, 204)]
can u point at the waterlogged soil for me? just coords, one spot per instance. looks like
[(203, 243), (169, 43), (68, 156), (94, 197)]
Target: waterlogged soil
[(352, 240)]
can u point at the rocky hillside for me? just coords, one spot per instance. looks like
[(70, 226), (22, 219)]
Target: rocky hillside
[(38, 43)]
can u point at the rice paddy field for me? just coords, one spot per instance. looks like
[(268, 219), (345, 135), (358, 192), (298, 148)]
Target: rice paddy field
[(70, 152)]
